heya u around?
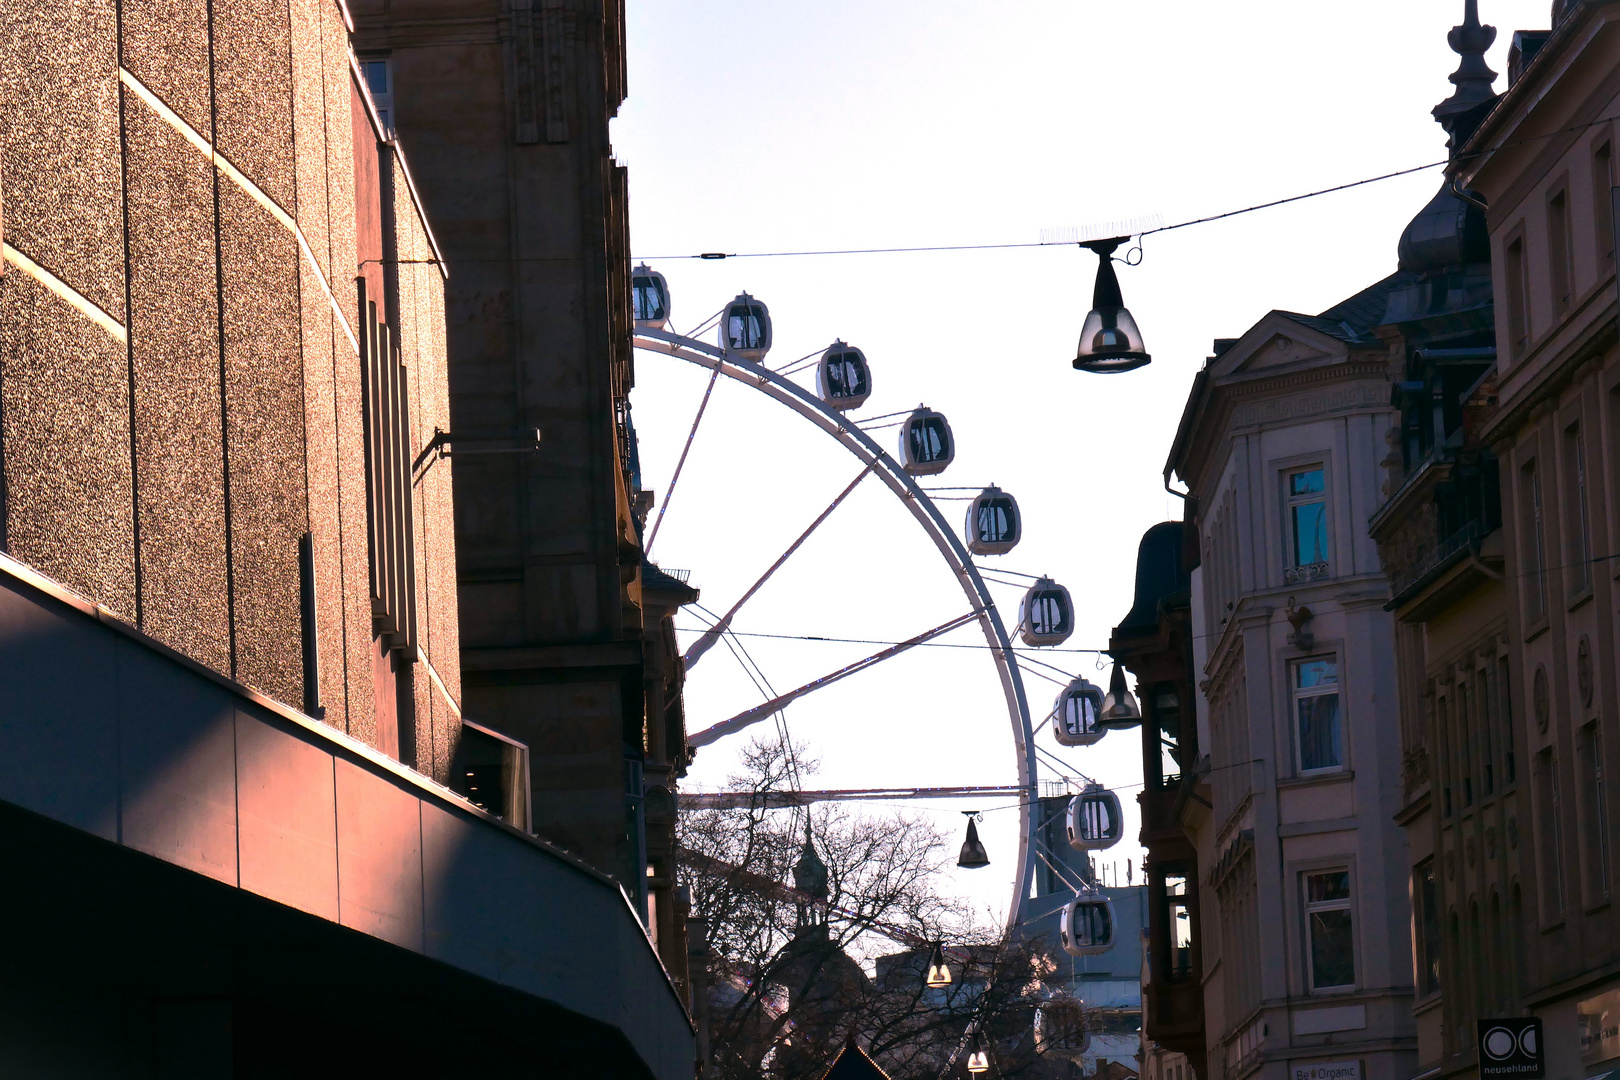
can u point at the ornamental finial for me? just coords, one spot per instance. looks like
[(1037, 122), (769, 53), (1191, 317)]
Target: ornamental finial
[(1473, 78)]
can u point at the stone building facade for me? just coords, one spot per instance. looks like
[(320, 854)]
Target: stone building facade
[(506, 105), (231, 740), (1542, 162), (184, 412), (1439, 536), (1301, 907)]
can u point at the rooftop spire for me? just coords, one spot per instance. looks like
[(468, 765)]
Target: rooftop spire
[(1472, 78)]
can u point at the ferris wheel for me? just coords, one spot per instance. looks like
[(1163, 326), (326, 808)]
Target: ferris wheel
[(993, 526)]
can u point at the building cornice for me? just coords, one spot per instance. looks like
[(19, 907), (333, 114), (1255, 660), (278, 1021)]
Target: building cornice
[(1567, 43), (1233, 406), (1593, 339)]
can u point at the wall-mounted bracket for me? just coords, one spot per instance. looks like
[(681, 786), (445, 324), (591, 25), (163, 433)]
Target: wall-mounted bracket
[(438, 447)]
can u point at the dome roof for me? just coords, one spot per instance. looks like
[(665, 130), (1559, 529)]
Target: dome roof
[(1447, 234)]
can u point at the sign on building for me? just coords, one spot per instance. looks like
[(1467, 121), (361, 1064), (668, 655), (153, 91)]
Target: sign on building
[(1328, 1070), (1599, 1018), (1511, 1047)]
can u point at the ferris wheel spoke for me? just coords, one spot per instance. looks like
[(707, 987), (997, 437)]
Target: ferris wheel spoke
[(759, 712), (712, 635), (681, 464)]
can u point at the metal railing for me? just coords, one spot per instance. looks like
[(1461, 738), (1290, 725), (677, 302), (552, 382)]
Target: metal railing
[(1444, 552), (1299, 575)]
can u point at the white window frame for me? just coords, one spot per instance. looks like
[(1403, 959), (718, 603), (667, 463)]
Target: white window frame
[(1296, 694), (1311, 907), (1291, 502)]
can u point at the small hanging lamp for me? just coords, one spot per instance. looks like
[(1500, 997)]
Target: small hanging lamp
[(1119, 709), (973, 854), (1109, 341), (978, 1061), (939, 974)]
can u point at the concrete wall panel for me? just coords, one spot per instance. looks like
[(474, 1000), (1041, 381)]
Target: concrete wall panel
[(73, 673), (66, 504), (174, 338), (166, 46), (379, 831), (265, 440), (339, 139), (471, 874), (287, 807), (177, 753), (205, 772), (252, 92), (320, 449), (309, 130), (59, 143)]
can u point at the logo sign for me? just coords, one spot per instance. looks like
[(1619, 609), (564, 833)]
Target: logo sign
[(1328, 1070), (1511, 1047)]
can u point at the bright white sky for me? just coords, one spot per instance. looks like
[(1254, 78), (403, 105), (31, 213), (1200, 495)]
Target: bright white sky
[(878, 123)]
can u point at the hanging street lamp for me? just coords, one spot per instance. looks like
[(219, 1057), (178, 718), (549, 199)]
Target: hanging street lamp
[(939, 975), (973, 854), (978, 1062), (1119, 708), (1109, 341)]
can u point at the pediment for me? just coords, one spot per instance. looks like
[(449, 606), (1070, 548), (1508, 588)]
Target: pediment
[(1279, 342)]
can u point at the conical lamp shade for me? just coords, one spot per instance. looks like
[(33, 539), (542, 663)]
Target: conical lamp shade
[(1119, 708), (1109, 341), (973, 854), (939, 974)]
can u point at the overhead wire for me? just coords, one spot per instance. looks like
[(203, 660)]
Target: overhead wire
[(713, 255)]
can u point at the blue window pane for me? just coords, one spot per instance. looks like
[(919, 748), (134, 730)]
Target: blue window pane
[(377, 76), (1310, 534), (1305, 483), (1316, 673)]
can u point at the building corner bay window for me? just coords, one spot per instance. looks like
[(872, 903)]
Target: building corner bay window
[(1316, 712), (1307, 516), (1426, 924), (1178, 921), (1331, 935)]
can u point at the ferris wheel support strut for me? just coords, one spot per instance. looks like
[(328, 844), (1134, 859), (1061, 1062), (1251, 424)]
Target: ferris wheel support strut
[(669, 493), (933, 523), (712, 635), (716, 732)]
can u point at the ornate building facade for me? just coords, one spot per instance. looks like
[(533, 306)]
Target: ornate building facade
[(1541, 162)]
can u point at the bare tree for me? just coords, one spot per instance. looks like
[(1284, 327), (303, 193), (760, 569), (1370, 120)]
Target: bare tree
[(811, 951)]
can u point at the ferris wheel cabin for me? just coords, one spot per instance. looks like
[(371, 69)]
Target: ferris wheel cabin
[(746, 328), (993, 524), (926, 445), (1088, 926), (842, 378), (649, 295), (1046, 614), (1074, 717), (1095, 821)]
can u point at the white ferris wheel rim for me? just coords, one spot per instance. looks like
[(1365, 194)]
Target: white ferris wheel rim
[(927, 514)]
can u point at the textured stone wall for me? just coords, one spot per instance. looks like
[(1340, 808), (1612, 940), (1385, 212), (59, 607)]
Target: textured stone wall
[(180, 395)]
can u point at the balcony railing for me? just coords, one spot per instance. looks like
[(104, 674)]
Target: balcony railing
[(1300, 575), (1444, 554)]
